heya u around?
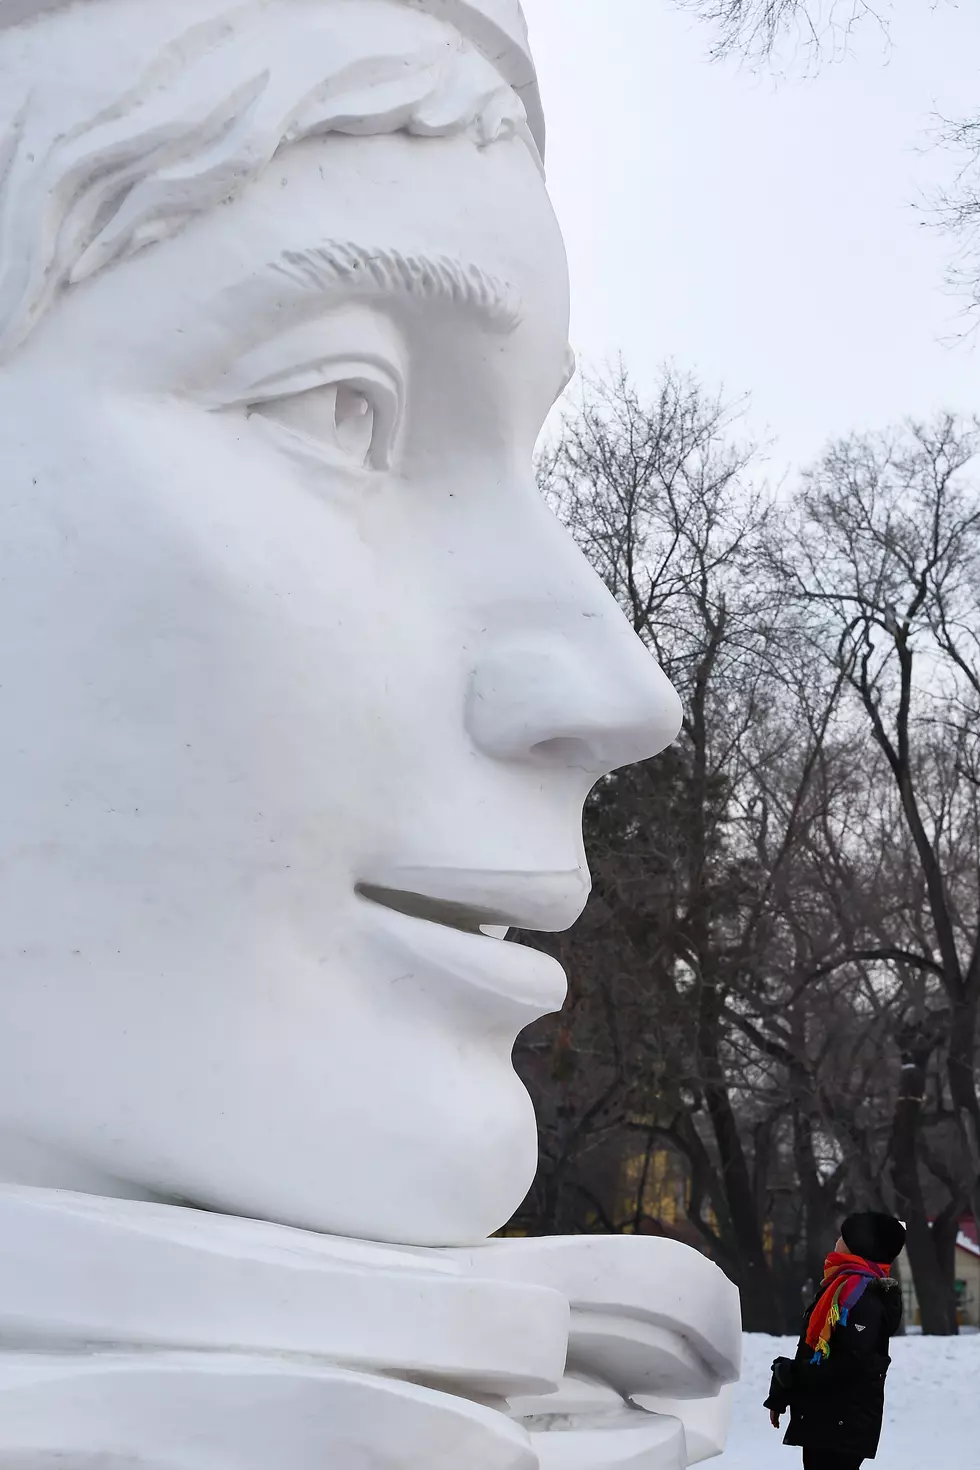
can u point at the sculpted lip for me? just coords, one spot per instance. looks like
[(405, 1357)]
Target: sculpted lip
[(447, 918), (467, 898)]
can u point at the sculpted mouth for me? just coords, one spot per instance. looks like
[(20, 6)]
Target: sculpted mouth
[(475, 900), (449, 922), (436, 911)]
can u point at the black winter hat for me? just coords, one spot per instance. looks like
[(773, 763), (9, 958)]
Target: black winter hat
[(876, 1237)]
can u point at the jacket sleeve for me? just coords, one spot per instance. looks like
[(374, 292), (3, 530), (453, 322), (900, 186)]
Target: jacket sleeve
[(778, 1399), (853, 1351)]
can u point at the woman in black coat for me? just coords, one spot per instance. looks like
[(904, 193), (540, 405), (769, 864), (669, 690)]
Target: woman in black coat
[(835, 1386)]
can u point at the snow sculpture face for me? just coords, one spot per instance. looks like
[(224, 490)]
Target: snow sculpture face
[(302, 684)]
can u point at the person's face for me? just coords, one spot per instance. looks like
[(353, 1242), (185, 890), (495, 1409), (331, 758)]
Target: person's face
[(301, 685)]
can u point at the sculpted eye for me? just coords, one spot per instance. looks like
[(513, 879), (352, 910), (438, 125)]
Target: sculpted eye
[(350, 423)]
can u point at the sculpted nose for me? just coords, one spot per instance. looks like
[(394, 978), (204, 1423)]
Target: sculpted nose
[(595, 701)]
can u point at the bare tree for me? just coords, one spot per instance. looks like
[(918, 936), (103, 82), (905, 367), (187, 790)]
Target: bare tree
[(884, 556), (753, 28), (955, 209), (757, 987), (691, 853)]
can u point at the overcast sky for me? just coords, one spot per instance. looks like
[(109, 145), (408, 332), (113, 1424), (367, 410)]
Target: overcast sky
[(760, 231)]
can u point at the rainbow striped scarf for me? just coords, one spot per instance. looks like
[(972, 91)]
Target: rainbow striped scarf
[(846, 1278)]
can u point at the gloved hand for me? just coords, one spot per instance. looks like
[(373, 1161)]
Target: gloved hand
[(782, 1372)]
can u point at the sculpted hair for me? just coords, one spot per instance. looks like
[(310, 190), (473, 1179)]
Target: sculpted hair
[(98, 162)]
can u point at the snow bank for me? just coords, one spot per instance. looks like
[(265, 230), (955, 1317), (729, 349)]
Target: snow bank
[(932, 1407)]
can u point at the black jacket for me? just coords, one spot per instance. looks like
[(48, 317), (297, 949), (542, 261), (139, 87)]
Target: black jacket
[(837, 1405)]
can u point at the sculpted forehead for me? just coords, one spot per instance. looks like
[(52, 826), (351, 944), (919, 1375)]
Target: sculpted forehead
[(439, 197), (485, 213)]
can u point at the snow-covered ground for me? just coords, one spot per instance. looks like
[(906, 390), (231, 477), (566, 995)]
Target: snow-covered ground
[(932, 1408)]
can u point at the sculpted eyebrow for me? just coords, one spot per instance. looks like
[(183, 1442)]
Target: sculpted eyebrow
[(388, 273)]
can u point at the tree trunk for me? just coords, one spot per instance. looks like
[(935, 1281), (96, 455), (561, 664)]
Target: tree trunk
[(931, 1270), (820, 1228), (944, 1231), (960, 1071), (761, 1306)]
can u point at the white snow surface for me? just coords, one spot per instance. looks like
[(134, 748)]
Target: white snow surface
[(932, 1407)]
